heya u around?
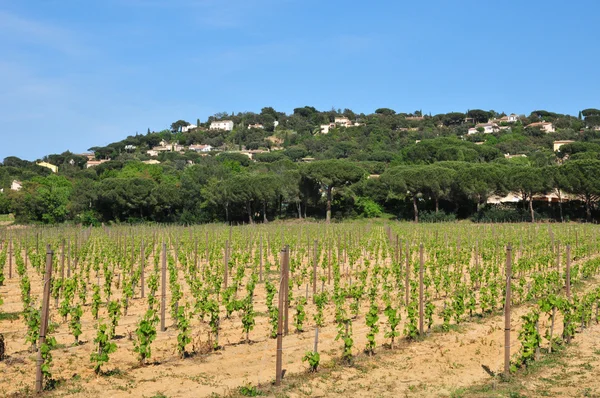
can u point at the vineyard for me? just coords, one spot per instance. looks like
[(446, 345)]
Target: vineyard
[(195, 311)]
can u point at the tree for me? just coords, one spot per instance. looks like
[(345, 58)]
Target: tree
[(479, 181), (580, 177), (529, 181), (478, 115), (176, 126), (330, 174)]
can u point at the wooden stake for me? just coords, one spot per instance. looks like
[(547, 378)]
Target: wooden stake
[(142, 266), (507, 304), (421, 304), (315, 260), (568, 273), (44, 319), (279, 353), (163, 287)]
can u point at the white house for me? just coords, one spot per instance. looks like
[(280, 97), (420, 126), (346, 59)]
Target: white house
[(343, 121), (512, 118), (546, 127), (185, 129), (326, 127), (201, 148), (16, 185), (152, 152), (130, 147), (558, 144), (488, 128), (255, 126), (94, 163), (222, 125)]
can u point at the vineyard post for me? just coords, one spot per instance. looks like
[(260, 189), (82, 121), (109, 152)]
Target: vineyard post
[(26, 252), (44, 319), (329, 264), (315, 260), (568, 273), (142, 261), (286, 297), (195, 254), (62, 260), (558, 259), (397, 249), (260, 264), (207, 246), (69, 258), (163, 287), (407, 284), (10, 244), (226, 263), (279, 353), (421, 265), (316, 348), (507, 311)]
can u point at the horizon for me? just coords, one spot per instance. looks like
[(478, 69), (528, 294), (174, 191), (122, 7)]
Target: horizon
[(79, 75)]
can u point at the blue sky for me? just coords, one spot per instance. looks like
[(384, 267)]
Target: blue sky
[(75, 74)]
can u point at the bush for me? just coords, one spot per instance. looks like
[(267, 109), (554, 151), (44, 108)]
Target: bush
[(440, 216), (368, 207), (503, 214)]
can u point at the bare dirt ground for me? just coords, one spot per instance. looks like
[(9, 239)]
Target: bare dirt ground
[(436, 366)]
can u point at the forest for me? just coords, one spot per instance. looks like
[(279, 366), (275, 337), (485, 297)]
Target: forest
[(405, 165)]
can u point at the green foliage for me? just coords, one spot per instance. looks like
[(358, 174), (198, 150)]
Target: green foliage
[(145, 335), (104, 348), (313, 359)]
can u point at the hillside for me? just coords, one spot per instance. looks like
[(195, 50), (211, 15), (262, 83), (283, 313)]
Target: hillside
[(251, 167)]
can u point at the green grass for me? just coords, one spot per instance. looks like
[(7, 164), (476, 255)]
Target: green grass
[(9, 316), (6, 217)]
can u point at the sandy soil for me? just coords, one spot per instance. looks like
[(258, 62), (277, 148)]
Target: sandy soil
[(432, 367)]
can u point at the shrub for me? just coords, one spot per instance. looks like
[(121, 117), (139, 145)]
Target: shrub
[(440, 216)]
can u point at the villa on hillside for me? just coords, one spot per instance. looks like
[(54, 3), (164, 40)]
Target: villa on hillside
[(94, 163), (48, 166), (185, 129), (488, 128), (16, 185), (255, 126), (558, 144), (326, 127), (546, 127), (222, 125), (201, 148)]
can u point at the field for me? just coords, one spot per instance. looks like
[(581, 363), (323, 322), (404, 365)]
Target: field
[(359, 283)]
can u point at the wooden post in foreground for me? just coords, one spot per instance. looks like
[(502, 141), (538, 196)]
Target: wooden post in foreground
[(226, 264), (279, 354), (407, 282), (507, 311), (568, 273), (44, 320), (163, 287), (421, 304), (142, 265), (314, 276)]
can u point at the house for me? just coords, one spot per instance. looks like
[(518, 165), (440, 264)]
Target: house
[(177, 148), (343, 121), (222, 125), (94, 163), (511, 197), (130, 147), (546, 127), (307, 160), (163, 148), (509, 156), (326, 127), (201, 148), (255, 126), (414, 117), (488, 128), (151, 161), (512, 118), (48, 166), (16, 185), (152, 152), (558, 144), (185, 129)]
